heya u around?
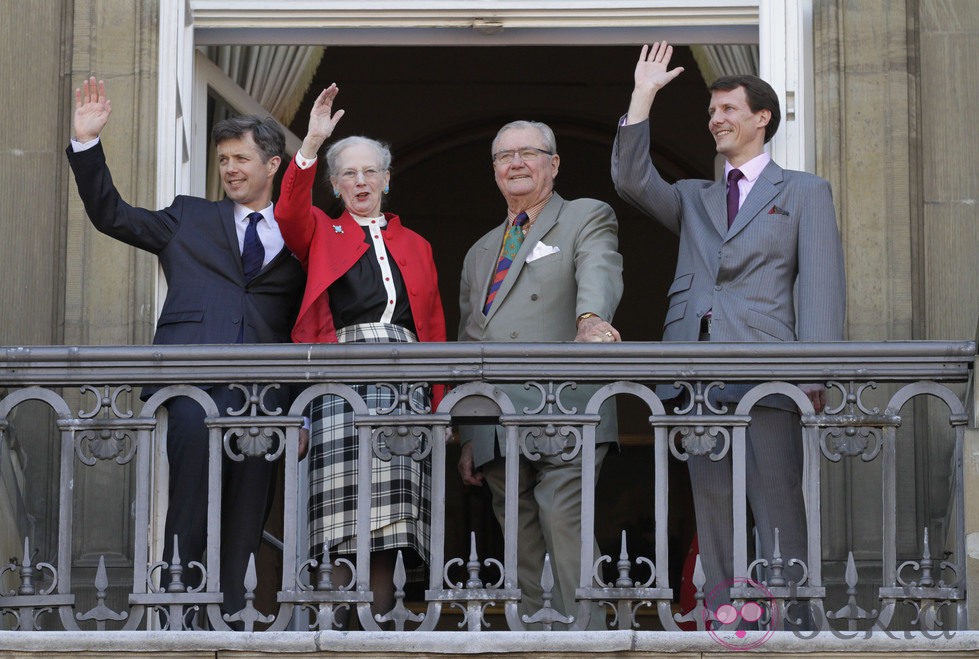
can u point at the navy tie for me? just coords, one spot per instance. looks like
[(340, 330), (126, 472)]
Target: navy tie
[(733, 195), (253, 253)]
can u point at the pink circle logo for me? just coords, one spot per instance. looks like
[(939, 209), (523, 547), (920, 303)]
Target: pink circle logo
[(719, 613)]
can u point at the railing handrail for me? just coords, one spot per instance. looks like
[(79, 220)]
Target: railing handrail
[(852, 428), (945, 361)]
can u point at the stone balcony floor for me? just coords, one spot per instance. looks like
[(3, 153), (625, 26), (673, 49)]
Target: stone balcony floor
[(540, 645)]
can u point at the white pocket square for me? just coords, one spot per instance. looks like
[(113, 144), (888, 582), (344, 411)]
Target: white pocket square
[(541, 250)]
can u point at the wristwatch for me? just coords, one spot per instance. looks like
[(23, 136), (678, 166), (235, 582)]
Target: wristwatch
[(585, 315)]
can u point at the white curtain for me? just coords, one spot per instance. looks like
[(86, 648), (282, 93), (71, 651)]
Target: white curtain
[(722, 60), (277, 77)]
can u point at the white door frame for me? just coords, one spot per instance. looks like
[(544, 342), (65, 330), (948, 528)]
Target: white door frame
[(782, 29)]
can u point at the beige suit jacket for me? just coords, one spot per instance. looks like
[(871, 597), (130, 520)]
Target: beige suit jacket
[(542, 297)]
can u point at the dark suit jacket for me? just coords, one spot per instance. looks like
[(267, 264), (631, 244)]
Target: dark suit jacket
[(208, 298)]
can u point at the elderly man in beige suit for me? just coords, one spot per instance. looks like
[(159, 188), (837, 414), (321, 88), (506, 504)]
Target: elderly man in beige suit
[(561, 280)]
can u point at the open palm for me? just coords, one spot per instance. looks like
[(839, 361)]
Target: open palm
[(652, 68), (322, 119), (92, 110)]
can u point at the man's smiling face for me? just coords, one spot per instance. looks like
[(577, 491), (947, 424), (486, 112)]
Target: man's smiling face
[(738, 132), (247, 179), (525, 182)]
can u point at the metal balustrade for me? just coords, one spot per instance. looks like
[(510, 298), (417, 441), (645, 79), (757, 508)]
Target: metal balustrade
[(89, 392)]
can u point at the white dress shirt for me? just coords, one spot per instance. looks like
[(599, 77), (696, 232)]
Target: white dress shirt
[(268, 231)]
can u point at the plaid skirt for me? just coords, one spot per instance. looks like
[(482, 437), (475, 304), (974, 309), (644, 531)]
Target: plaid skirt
[(400, 488)]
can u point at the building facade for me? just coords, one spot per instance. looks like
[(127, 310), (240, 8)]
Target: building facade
[(877, 98)]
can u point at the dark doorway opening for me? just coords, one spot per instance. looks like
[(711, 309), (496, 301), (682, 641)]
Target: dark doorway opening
[(439, 108)]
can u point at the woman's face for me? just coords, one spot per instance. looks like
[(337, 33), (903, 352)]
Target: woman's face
[(360, 180)]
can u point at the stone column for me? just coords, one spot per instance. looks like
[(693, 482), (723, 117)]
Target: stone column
[(895, 82), (109, 291), (865, 137)]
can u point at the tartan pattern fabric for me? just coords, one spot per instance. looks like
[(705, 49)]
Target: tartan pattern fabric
[(511, 245), (401, 488)]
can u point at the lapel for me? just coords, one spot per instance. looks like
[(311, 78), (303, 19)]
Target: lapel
[(486, 263), (226, 213), (714, 198), (345, 246), (762, 192), (542, 225), (283, 253)]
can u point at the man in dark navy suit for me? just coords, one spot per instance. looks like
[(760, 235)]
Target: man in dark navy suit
[(230, 279)]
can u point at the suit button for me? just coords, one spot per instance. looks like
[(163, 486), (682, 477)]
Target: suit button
[(534, 297), (513, 334), (718, 287), (236, 321)]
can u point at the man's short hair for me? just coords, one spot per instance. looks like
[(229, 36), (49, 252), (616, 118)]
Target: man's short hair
[(266, 132), (760, 96), (550, 143)]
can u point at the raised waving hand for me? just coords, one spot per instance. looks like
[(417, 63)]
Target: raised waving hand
[(652, 74), (92, 110), (322, 121)]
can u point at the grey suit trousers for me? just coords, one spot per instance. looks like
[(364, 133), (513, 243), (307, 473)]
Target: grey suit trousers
[(773, 472), (549, 494)]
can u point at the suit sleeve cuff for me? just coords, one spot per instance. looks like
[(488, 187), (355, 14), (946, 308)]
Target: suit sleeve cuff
[(304, 163), (78, 147)]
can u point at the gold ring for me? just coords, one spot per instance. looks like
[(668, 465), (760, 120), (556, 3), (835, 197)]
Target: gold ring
[(608, 334)]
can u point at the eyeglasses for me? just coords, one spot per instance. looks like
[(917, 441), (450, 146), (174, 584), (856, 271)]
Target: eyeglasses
[(525, 152), (369, 174)]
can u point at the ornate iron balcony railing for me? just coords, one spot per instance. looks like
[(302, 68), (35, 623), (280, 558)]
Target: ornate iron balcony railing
[(88, 390)]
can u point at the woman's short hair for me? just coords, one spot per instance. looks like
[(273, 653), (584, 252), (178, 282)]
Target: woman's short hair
[(333, 153)]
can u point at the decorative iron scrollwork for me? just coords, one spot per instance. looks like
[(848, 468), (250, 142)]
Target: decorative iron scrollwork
[(107, 400), (550, 440), (698, 397), (700, 440), (28, 573), (100, 613), (402, 440), (924, 567), (405, 397), (92, 446), (550, 397)]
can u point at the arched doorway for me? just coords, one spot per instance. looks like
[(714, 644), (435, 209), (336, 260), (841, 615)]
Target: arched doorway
[(439, 108)]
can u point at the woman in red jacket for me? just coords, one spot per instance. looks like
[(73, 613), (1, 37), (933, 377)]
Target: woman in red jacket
[(369, 279)]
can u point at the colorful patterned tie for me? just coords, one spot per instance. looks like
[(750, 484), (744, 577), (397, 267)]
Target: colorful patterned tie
[(511, 244), (252, 252), (733, 195)]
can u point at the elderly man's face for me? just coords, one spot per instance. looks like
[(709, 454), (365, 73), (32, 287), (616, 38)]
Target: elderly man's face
[(524, 182)]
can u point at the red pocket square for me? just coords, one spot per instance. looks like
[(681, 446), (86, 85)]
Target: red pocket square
[(775, 210)]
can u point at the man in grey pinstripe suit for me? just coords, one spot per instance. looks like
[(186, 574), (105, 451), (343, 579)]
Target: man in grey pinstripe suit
[(761, 262)]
